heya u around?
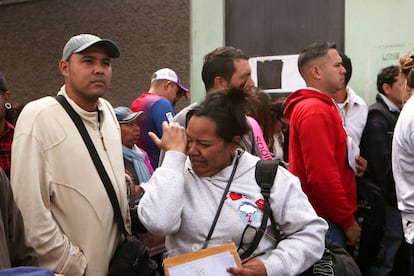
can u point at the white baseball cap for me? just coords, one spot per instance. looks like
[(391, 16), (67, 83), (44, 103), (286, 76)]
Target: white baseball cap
[(168, 74)]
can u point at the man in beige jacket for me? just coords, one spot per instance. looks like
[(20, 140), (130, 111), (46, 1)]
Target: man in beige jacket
[(68, 217)]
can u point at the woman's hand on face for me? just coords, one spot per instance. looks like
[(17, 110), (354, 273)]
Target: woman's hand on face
[(173, 138)]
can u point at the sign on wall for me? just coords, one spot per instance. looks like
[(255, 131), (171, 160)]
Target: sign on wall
[(276, 74)]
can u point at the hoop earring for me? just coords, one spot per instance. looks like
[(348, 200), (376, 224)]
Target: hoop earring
[(7, 105)]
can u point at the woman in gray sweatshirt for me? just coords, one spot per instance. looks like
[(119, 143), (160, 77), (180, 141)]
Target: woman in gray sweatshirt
[(182, 197)]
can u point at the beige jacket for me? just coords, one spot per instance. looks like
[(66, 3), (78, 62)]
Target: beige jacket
[(68, 217)]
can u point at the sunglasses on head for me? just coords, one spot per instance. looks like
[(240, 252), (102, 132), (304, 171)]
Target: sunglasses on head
[(284, 125)]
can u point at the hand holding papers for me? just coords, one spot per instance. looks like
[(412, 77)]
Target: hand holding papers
[(211, 261)]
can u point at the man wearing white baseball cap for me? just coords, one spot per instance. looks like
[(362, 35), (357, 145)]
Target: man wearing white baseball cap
[(68, 217), (165, 90)]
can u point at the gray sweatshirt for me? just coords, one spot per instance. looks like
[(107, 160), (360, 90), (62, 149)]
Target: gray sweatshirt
[(179, 204)]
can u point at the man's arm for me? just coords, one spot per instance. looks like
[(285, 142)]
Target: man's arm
[(319, 137), (376, 146), (20, 253), (158, 111), (323, 172)]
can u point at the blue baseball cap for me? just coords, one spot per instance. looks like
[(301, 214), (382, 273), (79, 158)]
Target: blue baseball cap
[(125, 115)]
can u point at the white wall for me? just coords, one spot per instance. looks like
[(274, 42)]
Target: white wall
[(207, 33), (377, 33)]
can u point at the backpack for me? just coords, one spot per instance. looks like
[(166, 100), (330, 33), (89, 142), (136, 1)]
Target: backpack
[(335, 261), (370, 214), (371, 217)]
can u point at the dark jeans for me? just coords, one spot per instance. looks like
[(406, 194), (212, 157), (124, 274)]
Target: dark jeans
[(394, 255), (335, 234)]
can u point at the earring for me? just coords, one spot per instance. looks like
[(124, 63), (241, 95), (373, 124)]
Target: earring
[(7, 105)]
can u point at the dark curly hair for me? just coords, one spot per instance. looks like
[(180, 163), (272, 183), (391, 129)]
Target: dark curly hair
[(227, 109), (220, 62), (387, 75)]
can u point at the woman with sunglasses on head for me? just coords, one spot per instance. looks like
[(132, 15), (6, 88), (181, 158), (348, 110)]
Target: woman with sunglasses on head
[(183, 196)]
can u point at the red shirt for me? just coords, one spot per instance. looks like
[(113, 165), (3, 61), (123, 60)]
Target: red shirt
[(318, 155), (5, 148)]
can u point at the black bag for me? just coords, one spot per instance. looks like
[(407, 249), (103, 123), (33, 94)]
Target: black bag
[(131, 258), (335, 262), (371, 217)]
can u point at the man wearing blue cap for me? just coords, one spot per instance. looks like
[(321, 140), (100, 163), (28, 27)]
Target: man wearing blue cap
[(68, 216), (136, 161)]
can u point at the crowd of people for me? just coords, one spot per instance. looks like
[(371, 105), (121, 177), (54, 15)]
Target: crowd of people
[(188, 179)]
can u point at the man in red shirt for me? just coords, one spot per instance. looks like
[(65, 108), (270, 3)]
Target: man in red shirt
[(317, 142)]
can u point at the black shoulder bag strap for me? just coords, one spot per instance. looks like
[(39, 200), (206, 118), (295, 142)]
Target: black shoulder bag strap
[(97, 161), (223, 198), (265, 176)]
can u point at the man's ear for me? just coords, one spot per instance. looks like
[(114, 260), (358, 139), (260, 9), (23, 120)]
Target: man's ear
[(386, 88), (219, 83), (64, 67), (315, 72), (166, 83)]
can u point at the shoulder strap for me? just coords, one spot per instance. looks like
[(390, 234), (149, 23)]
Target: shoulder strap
[(96, 160), (223, 198), (266, 171), (265, 176)]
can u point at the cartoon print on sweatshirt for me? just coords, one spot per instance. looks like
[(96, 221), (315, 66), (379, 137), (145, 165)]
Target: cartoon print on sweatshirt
[(249, 210)]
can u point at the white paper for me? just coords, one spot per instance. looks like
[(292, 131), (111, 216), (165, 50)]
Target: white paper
[(214, 265), (291, 80), (353, 152)]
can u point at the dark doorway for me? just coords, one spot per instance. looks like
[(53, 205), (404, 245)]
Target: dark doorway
[(263, 28), (282, 27)]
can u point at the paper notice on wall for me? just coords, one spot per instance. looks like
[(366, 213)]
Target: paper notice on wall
[(288, 73)]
